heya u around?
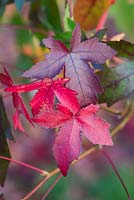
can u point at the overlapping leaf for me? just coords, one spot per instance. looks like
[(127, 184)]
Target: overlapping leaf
[(6, 80), (44, 98), (67, 143), (82, 78), (118, 83)]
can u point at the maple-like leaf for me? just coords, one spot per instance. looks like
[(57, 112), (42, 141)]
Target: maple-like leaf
[(75, 60), (67, 143), (19, 106), (47, 89)]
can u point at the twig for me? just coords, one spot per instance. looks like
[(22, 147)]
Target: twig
[(25, 165), (56, 171), (110, 110), (123, 122), (117, 173), (51, 187)]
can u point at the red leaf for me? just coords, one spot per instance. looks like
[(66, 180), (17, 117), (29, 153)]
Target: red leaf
[(94, 128), (66, 146), (16, 120), (44, 98), (17, 101)]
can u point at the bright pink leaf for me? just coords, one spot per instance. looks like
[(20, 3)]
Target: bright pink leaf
[(94, 128), (19, 106), (66, 146), (44, 98)]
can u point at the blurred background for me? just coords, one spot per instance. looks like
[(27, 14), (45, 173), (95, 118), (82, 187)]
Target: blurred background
[(21, 32)]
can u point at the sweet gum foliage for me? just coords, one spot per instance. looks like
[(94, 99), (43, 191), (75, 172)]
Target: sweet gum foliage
[(72, 80)]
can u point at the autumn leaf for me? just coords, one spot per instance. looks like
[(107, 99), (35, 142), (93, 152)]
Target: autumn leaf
[(47, 89), (67, 143), (89, 13), (82, 78), (19, 106)]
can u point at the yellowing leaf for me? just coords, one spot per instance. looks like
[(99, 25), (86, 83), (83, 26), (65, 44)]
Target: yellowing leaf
[(88, 12)]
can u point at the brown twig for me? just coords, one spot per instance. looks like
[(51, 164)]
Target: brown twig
[(25, 165), (52, 186)]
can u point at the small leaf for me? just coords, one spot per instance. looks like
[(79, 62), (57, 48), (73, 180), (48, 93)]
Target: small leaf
[(123, 48), (5, 132), (117, 82), (19, 4), (69, 24)]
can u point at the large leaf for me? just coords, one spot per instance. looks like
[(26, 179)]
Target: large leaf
[(118, 83), (123, 48), (82, 78), (88, 12), (67, 144), (5, 132)]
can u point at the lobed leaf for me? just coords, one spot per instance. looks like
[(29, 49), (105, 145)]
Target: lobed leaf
[(75, 62), (67, 143)]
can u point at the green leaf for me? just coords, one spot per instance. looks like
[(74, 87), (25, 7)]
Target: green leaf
[(19, 4), (100, 33), (65, 37), (5, 132), (69, 24), (123, 48), (45, 14), (118, 83)]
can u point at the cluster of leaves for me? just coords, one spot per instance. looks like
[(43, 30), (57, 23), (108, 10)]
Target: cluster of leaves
[(74, 111), (70, 103)]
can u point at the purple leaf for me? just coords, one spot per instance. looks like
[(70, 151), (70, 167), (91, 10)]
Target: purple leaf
[(76, 65)]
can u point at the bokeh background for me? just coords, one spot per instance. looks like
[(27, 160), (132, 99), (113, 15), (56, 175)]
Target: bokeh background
[(93, 177)]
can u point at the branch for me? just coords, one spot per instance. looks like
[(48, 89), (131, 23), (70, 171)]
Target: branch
[(25, 165), (117, 173), (52, 186)]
